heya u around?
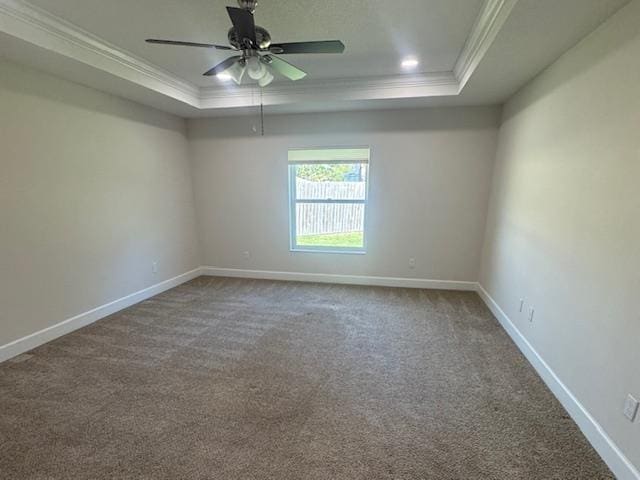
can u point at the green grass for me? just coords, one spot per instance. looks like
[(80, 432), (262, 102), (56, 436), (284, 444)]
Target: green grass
[(349, 239)]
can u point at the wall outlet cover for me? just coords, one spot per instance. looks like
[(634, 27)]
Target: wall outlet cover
[(631, 408)]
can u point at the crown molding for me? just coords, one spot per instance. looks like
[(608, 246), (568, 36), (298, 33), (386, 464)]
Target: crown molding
[(492, 17), (43, 29), (38, 27), (364, 88)]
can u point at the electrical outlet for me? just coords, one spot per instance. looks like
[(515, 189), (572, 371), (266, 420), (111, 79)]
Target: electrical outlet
[(154, 267), (246, 255), (531, 313), (412, 263), (521, 305), (631, 408)]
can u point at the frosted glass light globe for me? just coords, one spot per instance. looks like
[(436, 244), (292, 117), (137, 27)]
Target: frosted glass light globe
[(266, 79), (255, 68)]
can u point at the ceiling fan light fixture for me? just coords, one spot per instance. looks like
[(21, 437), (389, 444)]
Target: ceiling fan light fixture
[(236, 71), (266, 79), (255, 68)]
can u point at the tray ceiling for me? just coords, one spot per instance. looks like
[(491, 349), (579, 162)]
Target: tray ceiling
[(377, 33), (101, 44)]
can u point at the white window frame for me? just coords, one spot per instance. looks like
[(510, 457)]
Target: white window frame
[(293, 201)]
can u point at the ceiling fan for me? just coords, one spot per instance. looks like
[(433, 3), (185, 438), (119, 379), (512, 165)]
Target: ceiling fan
[(256, 57)]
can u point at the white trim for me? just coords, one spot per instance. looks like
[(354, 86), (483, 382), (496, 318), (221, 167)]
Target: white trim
[(359, 88), (38, 27), (492, 18), (340, 279), (294, 200), (619, 464), (338, 250), (36, 339)]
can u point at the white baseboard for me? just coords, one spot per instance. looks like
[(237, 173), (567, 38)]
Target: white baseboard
[(619, 464), (36, 339), (604, 445), (341, 279)]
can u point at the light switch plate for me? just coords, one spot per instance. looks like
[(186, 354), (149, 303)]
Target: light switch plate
[(631, 408)]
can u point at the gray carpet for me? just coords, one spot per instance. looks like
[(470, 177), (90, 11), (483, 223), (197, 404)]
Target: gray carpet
[(249, 379)]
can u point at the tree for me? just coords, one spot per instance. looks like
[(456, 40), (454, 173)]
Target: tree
[(323, 172)]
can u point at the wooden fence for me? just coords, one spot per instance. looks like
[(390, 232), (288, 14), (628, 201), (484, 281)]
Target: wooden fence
[(326, 218)]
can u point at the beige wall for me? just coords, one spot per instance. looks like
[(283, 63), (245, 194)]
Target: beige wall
[(430, 175), (93, 189), (563, 230)]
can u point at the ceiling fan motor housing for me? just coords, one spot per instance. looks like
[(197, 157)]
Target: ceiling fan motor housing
[(263, 38)]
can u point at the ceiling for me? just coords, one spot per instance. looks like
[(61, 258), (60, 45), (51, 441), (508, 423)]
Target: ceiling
[(470, 52), (377, 33)]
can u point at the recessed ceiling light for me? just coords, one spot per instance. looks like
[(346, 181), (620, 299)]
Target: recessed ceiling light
[(224, 76), (409, 63)]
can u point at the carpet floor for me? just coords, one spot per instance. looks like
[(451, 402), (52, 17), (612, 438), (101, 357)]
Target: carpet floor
[(249, 379)]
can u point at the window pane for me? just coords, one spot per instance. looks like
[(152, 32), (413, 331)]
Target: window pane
[(330, 225), (331, 181), (328, 198)]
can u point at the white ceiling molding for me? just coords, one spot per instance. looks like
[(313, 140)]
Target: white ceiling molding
[(378, 88), (38, 27), (492, 17)]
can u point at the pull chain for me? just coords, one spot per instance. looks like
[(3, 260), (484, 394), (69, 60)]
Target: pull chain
[(261, 114)]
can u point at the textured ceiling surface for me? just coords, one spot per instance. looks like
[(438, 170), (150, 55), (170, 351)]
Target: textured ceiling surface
[(536, 34), (377, 33)]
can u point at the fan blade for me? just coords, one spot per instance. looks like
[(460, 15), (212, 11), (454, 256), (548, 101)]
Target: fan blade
[(187, 44), (285, 68), (222, 66), (243, 24), (325, 46)]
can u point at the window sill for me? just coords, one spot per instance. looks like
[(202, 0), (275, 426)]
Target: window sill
[(327, 250)]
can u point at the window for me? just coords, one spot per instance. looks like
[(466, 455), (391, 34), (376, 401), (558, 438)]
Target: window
[(328, 199)]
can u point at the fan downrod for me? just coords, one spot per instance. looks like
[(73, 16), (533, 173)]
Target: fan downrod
[(248, 4)]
